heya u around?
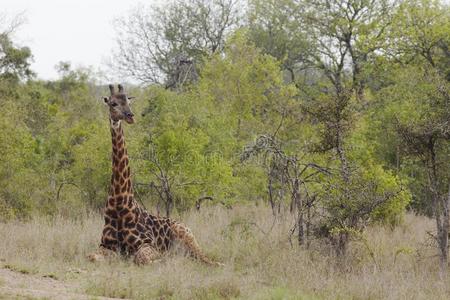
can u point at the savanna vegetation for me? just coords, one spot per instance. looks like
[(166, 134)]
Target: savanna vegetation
[(315, 134), (260, 263)]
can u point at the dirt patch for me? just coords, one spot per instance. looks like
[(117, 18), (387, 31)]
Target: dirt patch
[(18, 285)]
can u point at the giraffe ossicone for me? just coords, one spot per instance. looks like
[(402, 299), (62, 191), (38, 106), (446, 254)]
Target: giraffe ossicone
[(129, 229)]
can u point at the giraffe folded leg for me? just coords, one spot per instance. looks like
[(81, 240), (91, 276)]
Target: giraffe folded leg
[(186, 237), (101, 254), (146, 255)]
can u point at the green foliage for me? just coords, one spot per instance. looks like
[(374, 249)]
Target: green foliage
[(331, 89), (424, 28), (196, 137), (92, 163), (246, 85), (388, 193), (17, 175), (274, 28), (177, 149), (418, 109), (14, 61)]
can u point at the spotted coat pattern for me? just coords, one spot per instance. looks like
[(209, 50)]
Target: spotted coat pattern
[(129, 229)]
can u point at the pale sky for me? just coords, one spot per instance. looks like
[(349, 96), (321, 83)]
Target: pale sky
[(79, 31)]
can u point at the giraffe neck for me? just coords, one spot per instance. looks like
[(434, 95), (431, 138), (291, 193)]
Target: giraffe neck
[(121, 177)]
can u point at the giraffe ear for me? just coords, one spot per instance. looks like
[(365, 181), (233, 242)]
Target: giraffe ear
[(106, 100), (131, 98)]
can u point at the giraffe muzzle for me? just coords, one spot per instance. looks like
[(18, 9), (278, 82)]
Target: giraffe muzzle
[(129, 118)]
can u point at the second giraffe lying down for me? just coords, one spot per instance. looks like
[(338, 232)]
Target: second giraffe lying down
[(129, 229)]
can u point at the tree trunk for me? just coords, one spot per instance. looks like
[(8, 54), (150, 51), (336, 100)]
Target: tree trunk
[(342, 243), (270, 190), (158, 208), (345, 173), (444, 233), (298, 200), (308, 225), (168, 201), (397, 158), (440, 209), (169, 204)]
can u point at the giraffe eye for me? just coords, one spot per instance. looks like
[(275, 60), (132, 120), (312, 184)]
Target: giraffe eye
[(113, 104)]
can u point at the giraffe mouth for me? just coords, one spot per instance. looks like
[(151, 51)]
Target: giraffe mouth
[(129, 120)]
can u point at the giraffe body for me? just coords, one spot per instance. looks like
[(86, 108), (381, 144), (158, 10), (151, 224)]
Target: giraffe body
[(129, 229)]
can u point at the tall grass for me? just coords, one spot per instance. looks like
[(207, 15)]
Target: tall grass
[(260, 262)]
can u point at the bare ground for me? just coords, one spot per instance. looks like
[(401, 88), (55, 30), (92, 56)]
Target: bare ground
[(19, 285)]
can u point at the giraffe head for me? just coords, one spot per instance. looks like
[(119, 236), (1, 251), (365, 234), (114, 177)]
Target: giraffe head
[(119, 105)]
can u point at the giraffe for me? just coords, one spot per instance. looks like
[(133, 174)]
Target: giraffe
[(129, 230)]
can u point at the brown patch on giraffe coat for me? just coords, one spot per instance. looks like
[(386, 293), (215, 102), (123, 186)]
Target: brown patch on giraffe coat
[(155, 231), (124, 188), (119, 199), (131, 239), (111, 213), (161, 231), (117, 189), (130, 204), (129, 221), (140, 228), (122, 213)]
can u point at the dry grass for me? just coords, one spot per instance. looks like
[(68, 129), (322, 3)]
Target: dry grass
[(260, 262)]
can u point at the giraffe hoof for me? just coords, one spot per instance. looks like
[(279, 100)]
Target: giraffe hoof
[(101, 254), (95, 257)]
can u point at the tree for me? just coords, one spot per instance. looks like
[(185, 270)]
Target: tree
[(344, 38), (19, 156), (250, 99), (420, 32), (174, 157), (18, 174), (348, 33), (285, 175), (275, 27), (420, 115), (166, 44), (419, 107), (14, 60)]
